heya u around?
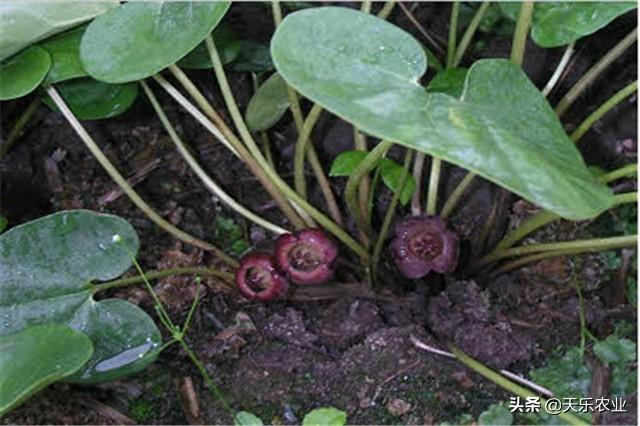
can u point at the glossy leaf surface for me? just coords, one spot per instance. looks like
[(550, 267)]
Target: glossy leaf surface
[(26, 22), (558, 23), (22, 73), (268, 104), (91, 99), (137, 40), (64, 49), (36, 357), (46, 268), (366, 71)]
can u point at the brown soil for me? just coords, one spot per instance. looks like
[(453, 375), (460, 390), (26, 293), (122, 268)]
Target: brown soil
[(355, 353)]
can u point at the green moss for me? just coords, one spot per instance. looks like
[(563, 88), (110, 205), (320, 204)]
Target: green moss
[(142, 410)]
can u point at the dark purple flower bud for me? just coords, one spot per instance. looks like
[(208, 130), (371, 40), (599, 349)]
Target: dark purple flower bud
[(306, 257), (258, 279), (423, 244)]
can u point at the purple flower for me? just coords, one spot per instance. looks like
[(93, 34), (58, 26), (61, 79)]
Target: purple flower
[(422, 244), (306, 257), (258, 279)]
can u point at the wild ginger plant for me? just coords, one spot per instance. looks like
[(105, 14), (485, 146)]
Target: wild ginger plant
[(487, 118)]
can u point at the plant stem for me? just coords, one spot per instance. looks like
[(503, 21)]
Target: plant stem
[(386, 9), (305, 146), (202, 102), (562, 65), (301, 146), (469, 32), (595, 71), (154, 275), (21, 122), (327, 223), (208, 182), (603, 109), (453, 30), (434, 179), (581, 316), (245, 134), (371, 196), (207, 378), (384, 229), (228, 135), (360, 144), (544, 217), (314, 162), (368, 163), (176, 333), (192, 310), (234, 145), (264, 137), (594, 244), (505, 383), (624, 171), (164, 316), (522, 30), (420, 28), (514, 264), (127, 189), (276, 11), (418, 167), (457, 194)]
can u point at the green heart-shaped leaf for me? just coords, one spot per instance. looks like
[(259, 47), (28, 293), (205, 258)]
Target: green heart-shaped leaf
[(253, 57), (390, 171), (22, 73), (45, 274), (64, 49), (449, 81), (558, 23), (137, 40), (346, 162), (26, 22), (36, 357), (268, 104), (91, 99), (325, 417), (366, 71)]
